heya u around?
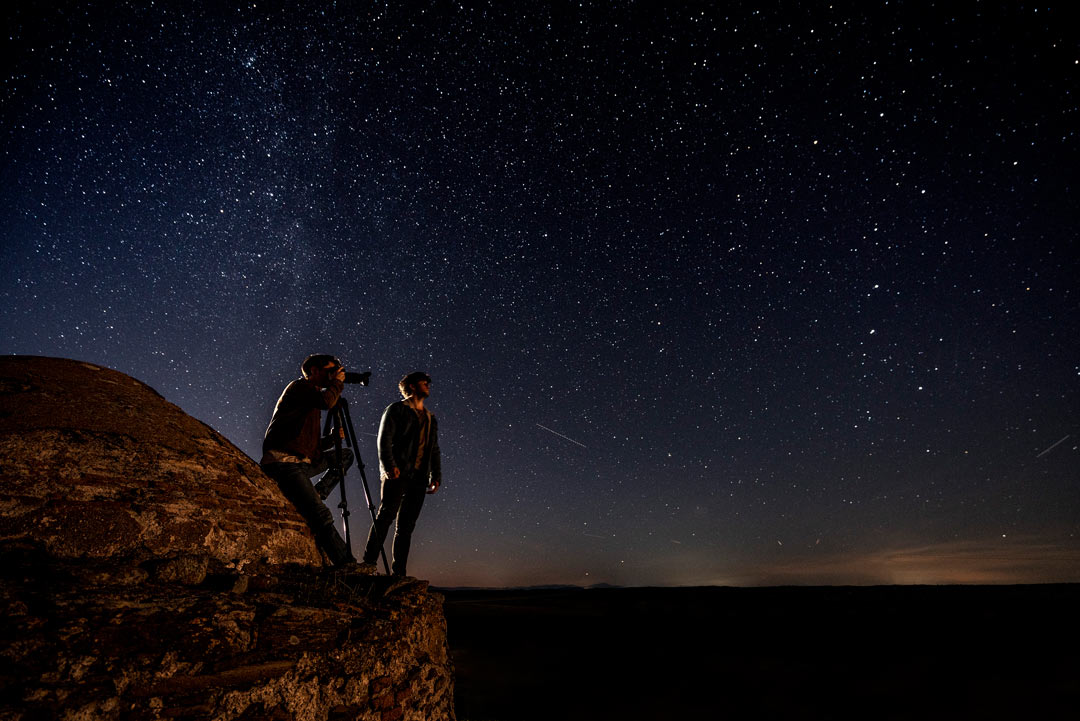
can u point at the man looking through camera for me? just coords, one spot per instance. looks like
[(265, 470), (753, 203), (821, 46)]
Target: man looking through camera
[(294, 451), (410, 467)]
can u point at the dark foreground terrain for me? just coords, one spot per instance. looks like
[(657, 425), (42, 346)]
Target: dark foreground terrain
[(916, 652)]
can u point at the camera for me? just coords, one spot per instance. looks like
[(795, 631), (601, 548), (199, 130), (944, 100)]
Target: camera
[(361, 378)]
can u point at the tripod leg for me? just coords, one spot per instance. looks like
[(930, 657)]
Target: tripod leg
[(351, 438), (342, 459)]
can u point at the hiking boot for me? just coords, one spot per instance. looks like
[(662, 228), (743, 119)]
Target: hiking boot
[(326, 486)]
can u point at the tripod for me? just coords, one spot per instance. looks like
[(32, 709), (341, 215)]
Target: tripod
[(339, 423)]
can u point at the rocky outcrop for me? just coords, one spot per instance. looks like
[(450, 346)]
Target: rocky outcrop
[(98, 465), (150, 570)]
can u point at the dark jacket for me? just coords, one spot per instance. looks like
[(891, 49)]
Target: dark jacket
[(294, 426), (399, 438)]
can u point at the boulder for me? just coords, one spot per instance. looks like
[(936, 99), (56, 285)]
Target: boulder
[(95, 464)]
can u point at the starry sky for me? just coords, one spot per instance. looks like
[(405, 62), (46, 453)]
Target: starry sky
[(713, 293)]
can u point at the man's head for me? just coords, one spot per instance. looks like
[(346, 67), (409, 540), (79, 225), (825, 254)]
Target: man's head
[(416, 384), (316, 366)]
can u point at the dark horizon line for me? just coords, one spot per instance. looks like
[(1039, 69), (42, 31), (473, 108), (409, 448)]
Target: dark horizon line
[(608, 586)]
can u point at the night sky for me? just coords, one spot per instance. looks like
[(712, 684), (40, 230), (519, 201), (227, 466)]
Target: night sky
[(719, 293)]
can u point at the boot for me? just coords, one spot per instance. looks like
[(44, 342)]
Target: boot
[(332, 544), (327, 485)]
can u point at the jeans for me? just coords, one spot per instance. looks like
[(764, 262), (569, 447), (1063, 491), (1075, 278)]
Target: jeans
[(294, 480), (402, 497)]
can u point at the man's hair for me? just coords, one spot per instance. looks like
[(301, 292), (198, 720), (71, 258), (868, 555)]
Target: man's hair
[(411, 380), (317, 360)]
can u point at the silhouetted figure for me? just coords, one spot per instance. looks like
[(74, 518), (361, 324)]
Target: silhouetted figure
[(294, 451), (409, 466)]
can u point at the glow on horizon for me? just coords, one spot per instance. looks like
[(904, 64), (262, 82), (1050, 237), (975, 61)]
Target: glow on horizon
[(978, 562)]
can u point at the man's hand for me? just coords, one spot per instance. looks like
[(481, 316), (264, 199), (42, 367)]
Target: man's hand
[(340, 375)]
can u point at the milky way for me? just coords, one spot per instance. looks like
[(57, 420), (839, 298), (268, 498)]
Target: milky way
[(710, 295)]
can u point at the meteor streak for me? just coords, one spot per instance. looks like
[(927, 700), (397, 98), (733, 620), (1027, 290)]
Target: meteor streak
[(1053, 446), (560, 435)]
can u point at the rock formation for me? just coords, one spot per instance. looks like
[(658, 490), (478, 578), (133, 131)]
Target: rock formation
[(151, 570)]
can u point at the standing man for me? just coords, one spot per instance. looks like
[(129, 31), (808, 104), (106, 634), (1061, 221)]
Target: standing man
[(409, 466), (293, 449)]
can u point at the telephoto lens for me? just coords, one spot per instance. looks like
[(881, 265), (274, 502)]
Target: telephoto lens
[(361, 378)]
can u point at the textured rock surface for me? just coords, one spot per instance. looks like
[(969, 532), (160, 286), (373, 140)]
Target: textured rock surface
[(150, 570), (94, 464)]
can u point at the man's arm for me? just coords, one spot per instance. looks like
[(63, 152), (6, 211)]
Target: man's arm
[(386, 444), (328, 398), (436, 458), (324, 400)]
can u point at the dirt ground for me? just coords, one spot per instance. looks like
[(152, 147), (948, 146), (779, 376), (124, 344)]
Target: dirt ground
[(915, 652)]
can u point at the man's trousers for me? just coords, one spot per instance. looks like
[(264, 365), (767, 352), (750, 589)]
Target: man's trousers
[(294, 480), (400, 497)]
